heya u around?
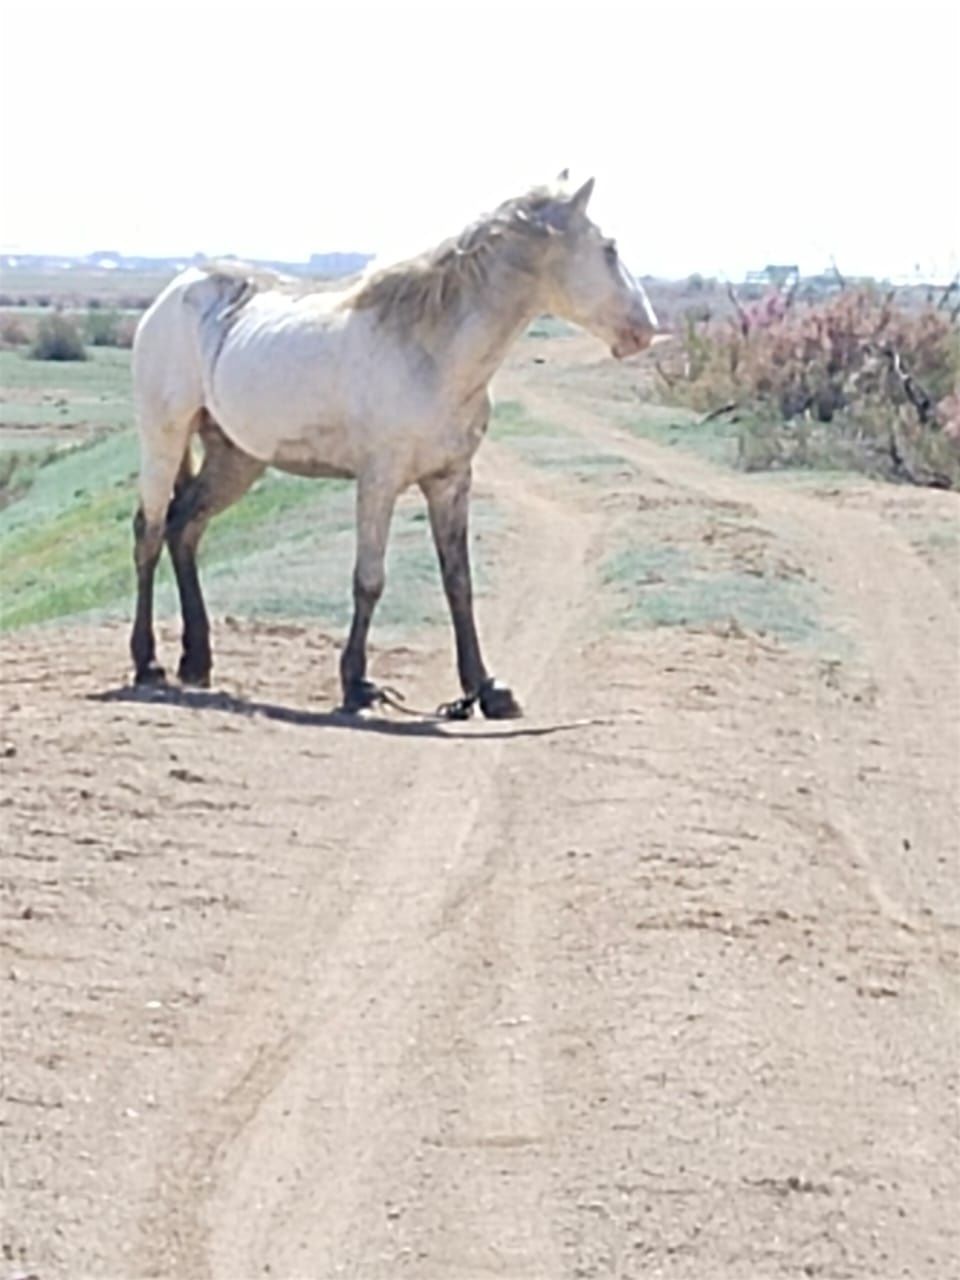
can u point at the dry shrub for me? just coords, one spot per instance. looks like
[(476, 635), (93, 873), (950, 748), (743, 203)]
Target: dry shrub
[(855, 379), (13, 331), (100, 327), (126, 328), (58, 338), (108, 328)]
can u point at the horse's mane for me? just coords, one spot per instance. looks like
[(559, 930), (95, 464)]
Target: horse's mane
[(261, 279), (422, 292)]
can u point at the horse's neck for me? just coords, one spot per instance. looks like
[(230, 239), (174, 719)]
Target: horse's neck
[(491, 322)]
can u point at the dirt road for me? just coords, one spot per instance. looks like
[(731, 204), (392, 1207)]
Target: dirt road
[(660, 982)]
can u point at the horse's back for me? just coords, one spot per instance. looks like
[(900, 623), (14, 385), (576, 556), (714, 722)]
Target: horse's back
[(292, 379)]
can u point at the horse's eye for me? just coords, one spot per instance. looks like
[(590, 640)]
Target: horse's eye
[(610, 250)]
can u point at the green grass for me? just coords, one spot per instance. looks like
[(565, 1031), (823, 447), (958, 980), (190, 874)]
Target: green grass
[(512, 421), (940, 538), (59, 396), (657, 583), (106, 372), (286, 549), (19, 469), (68, 491), (663, 586), (305, 567), (547, 445), (70, 476), (550, 327), (716, 440), (65, 545)]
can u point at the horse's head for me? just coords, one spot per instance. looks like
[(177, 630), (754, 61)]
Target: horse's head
[(583, 277)]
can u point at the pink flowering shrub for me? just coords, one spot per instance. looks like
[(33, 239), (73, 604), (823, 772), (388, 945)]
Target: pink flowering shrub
[(857, 378)]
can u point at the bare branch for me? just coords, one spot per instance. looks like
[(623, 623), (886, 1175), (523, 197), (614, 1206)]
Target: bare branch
[(741, 313), (945, 296), (911, 388), (926, 479), (719, 411)]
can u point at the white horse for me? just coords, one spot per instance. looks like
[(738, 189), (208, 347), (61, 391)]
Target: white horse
[(386, 383)]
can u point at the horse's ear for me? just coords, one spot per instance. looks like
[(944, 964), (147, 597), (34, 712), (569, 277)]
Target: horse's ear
[(581, 198), (563, 175), (559, 211)]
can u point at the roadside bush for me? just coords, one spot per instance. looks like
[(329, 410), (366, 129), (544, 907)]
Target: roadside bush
[(126, 328), (13, 331), (102, 328), (135, 301), (58, 338), (855, 379)]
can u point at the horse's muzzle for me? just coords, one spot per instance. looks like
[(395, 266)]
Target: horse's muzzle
[(629, 342), (632, 341)]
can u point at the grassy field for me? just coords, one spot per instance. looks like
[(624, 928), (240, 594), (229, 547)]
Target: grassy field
[(19, 286), (547, 445), (717, 440), (67, 494), (664, 586), (730, 579), (43, 401), (68, 491), (285, 550)]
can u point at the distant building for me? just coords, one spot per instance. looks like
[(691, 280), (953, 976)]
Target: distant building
[(780, 276)]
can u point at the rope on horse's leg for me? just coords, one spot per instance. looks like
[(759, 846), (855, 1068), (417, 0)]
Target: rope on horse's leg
[(462, 708), (458, 709), (387, 697)]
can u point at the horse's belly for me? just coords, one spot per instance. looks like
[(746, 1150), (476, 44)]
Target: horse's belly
[(315, 451), (300, 460)]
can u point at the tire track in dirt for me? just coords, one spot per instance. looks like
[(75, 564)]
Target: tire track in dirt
[(310, 1121), (654, 997), (871, 572), (883, 819)]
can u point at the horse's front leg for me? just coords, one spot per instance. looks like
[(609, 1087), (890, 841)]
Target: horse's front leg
[(448, 502), (375, 502)]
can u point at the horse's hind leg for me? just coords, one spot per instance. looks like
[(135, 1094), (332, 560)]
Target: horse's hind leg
[(164, 455), (448, 503), (148, 543), (225, 476)]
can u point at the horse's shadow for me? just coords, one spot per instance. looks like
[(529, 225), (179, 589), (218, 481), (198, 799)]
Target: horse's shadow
[(415, 727)]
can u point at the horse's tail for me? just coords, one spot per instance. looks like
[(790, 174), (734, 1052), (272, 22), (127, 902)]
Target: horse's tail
[(174, 349), (217, 296), (186, 325)]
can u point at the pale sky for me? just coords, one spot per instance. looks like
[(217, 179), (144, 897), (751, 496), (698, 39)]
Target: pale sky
[(722, 136)]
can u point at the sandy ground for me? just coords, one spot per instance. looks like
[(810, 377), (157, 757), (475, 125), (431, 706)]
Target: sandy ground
[(659, 982)]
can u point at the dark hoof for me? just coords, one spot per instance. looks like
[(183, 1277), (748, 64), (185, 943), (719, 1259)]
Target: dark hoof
[(150, 674), (498, 703), (361, 695), (190, 674)]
